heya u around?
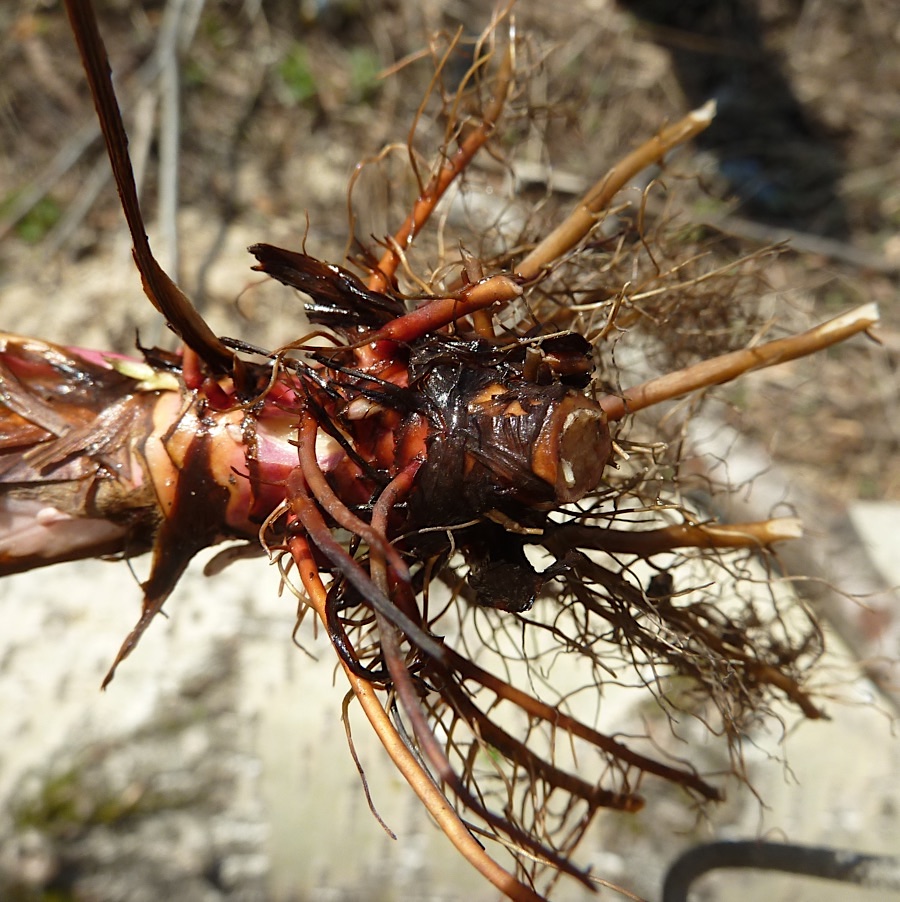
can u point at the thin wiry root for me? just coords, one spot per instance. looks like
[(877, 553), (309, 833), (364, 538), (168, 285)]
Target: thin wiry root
[(430, 194), (404, 760)]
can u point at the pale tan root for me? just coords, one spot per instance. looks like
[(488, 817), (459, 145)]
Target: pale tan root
[(413, 772), (682, 535), (586, 215), (729, 366)]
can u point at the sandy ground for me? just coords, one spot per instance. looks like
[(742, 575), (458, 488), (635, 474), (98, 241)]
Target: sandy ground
[(222, 744)]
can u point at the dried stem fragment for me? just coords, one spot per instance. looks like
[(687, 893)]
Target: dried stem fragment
[(181, 315)]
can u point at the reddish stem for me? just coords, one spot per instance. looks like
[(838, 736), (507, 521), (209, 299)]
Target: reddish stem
[(441, 181), (332, 505), (441, 312)]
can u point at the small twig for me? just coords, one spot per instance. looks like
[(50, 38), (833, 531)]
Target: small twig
[(179, 24), (73, 150), (143, 117), (169, 136), (803, 243), (90, 189), (62, 162)]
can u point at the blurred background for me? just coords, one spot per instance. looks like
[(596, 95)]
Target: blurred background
[(215, 766)]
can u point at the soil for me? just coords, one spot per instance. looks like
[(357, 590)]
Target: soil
[(280, 100)]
